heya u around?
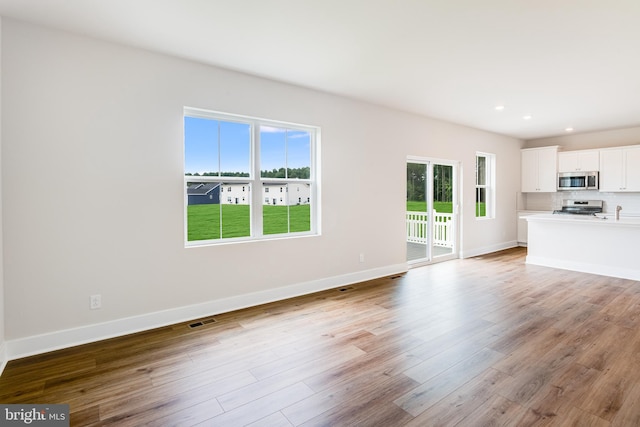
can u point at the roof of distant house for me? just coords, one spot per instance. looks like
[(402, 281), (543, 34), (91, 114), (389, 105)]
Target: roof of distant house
[(201, 189)]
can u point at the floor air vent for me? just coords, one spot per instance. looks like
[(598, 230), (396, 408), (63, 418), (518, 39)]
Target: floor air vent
[(202, 323)]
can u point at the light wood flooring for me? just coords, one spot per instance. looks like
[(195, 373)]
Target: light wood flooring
[(486, 341)]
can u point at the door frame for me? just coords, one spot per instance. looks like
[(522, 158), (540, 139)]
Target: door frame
[(456, 238)]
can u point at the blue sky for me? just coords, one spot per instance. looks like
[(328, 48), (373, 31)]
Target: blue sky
[(202, 146)]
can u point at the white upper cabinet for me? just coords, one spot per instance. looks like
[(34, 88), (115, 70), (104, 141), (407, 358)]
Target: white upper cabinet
[(539, 169), (620, 169), (579, 161)]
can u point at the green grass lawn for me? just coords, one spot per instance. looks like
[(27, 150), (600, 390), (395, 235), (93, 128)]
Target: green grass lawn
[(481, 209), (444, 207), (203, 221), (421, 206), (274, 219)]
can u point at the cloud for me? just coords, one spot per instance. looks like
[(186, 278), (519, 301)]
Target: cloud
[(270, 129), (292, 133)]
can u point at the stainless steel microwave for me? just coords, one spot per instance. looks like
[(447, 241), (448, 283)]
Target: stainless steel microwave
[(578, 181)]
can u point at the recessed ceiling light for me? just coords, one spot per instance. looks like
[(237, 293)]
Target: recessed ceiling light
[(569, 130), (499, 107), (527, 117)]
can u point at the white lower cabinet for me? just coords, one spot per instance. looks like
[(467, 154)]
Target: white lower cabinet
[(523, 226)]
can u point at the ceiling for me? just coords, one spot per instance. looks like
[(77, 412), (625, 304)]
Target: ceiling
[(566, 63)]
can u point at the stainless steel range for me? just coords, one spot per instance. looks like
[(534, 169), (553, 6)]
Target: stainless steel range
[(580, 207)]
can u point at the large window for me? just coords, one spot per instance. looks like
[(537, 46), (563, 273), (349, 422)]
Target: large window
[(485, 185), (248, 178)]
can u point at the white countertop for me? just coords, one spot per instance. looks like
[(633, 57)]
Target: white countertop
[(585, 243), (600, 220)]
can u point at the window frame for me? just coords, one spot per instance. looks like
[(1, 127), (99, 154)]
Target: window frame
[(488, 186), (255, 182)]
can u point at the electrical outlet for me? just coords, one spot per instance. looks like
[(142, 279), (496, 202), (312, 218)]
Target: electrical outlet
[(96, 302), (361, 257)]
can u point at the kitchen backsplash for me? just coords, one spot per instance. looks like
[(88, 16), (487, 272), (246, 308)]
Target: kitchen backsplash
[(630, 202)]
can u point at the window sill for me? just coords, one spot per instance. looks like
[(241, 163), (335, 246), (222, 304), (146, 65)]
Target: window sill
[(240, 240)]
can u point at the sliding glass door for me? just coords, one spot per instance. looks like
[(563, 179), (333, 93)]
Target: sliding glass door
[(431, 214)]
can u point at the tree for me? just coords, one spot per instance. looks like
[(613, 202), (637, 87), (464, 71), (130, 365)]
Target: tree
[(442, 183), (416, 177)]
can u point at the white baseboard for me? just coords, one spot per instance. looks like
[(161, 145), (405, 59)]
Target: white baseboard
[(602, 270), (37, 344), (488, 249)]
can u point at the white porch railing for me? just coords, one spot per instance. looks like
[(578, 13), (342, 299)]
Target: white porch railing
[(417, 228)]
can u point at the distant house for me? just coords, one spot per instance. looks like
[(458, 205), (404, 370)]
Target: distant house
[(203, 194), (237, 193), (279, 194)]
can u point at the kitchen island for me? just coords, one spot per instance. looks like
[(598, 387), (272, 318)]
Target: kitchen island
[(590, 244)]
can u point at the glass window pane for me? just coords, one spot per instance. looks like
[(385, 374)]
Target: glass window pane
[(481, 202), (298, 154), (275, 212), (200, 146), (235, 213), (287, 208), (416, 187), (481, 170), (443, 188), (299, 207), (273, 152), (217, 210), (203, 211), (285, 153), (235, 149)]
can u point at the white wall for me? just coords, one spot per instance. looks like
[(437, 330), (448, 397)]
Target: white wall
[(584, 141), (3, 358), (92, 147)]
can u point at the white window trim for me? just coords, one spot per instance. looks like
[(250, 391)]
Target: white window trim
[(490, 186), (255, 181)]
